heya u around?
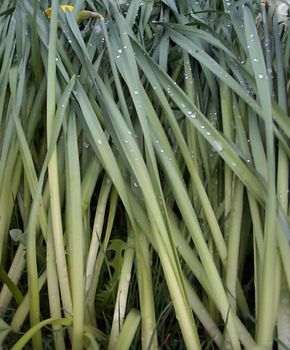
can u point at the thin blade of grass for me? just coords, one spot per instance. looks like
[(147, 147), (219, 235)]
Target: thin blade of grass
[(128, 330), (53, 174), (31, 332), (75, 233), (268, 296), (203, 126)]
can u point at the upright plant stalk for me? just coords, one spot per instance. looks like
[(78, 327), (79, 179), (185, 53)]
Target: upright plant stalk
[(91, 293), (36, 187), (12, 175), (128, 330), (32, 222), (227, 121), (97, 232), (283, 319), (234, 244), (53, 169), (258, 248), (35, 48), (53, 290), (15, 273), (122, 296), (266, 311), (148, 321), (6, 177), (24, 308), (31, 230), (179, 297), (75, 233)]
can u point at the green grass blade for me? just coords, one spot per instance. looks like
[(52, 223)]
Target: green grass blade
[(128, 330), (75, 233), (53, 167), (4, 277), (29, 334), (204, 127), (267, 302)]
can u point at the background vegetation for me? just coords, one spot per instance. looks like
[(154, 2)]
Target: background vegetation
[(144, 173)]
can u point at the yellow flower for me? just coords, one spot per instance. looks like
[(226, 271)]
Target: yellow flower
[(63, 7), (82, 15)]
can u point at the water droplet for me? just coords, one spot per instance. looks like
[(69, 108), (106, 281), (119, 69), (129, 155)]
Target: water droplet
[(99, 142), (218, 146), (136, 92), (98, 28), (261, 76), (162, 150), (191, 114), (119, 50)]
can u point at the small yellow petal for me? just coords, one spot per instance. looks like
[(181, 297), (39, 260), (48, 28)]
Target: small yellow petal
[(48, 12), (67, 7), (63, 7), (82, 15)]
